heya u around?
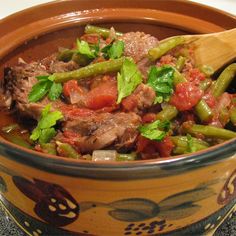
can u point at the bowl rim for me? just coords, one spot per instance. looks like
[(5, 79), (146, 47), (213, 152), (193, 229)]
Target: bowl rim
[(112, 170)]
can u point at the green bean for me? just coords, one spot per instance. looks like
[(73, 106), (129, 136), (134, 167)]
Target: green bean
[(205, 84), (67, 150), (91, 29), (233, 115), (210, 131), (203, 111), (180, 63), (10, 128), (224, 80), (178, 78), (65, 55), (207, 70), (49, 148), (182, 144), (17, 139), (164, 47), (126, 157), (168, 113), (113, 65)]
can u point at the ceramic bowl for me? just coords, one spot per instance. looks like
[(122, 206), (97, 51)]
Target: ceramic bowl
[(46, 195)]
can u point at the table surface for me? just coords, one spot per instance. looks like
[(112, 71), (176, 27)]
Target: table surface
[(7, 226)]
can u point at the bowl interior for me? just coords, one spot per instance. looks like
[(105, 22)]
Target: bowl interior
[(61, 22)]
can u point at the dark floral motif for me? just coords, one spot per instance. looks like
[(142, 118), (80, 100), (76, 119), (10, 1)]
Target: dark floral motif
[(156, 227), (3, 186), (53, 203), (228, 192), (34, 226)]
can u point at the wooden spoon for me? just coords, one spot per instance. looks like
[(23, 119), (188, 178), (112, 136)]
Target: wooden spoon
[(215, 49)]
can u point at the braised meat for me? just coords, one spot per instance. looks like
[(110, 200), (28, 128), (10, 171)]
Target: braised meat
[(137, 44), (100, 131)]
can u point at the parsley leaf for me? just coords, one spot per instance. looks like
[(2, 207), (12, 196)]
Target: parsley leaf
[(84, 49), (128, 79), (155, 131), (39, 90), (44, 131), (161, 80), (55, 91), (114, 50), (45, 85)]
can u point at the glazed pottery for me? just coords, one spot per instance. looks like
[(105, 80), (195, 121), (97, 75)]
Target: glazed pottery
[(46, 195)]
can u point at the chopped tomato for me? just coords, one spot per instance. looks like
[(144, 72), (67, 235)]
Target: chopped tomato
[(104, 95), (72, 112), (210, 99), (150, 148), (165, 147), (91, 38), (186, 96), (71, 86), (196, 75), (149, 117), (129, 103)]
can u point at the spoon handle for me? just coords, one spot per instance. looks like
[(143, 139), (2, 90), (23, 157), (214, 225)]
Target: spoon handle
[(215, 49)]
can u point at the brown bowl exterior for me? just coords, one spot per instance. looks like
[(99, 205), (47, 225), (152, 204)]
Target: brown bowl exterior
[(55, 196)]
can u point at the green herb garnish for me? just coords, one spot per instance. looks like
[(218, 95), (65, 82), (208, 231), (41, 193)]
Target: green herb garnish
[(45, 85), (45, 131), (161, 80), (114, 50), (155, 131), (83, 48), (128, 79)]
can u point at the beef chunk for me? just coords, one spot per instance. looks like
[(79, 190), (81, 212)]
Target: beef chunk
[(102, 130), (19, 80), (140, 100), (137, 44)]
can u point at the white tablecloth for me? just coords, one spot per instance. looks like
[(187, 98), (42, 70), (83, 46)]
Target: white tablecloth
[(8, 7)]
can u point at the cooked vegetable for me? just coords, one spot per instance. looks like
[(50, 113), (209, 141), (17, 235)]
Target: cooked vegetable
[(233, 115), (44, 86), (114, 50), (49, 148), (118, 97), (91, 29), (128, 79), (126, 157), (161, 80), (156, 130), (84, 49), (210, 131), (168, 113), (44, 131), (104, 155), (164, 47), (10, 128), (17, 139), (224, 80), (207, 70), (66, 150), (180, 63), (99, 68), (203, 111), (186, 144)]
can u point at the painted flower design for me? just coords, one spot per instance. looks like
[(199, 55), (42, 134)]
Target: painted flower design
[(53, 203), (228, 192)]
